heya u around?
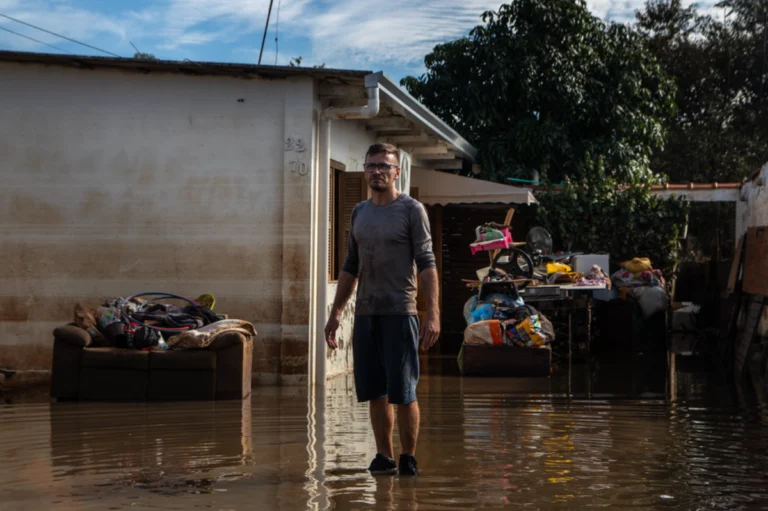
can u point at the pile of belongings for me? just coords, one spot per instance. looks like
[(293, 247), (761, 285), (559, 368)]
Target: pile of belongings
[(560, 273), (595, 277), (639, 281), (500, 320), (115, 324), (638, 272)]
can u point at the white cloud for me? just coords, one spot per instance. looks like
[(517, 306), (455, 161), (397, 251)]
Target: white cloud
[(342, 33), (187, 22), (623, 11), (401, 32), (360, 33)]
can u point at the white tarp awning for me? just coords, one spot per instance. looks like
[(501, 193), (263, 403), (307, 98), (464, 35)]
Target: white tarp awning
[(444, 188)]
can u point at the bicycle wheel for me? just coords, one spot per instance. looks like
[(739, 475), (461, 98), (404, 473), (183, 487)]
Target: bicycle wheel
[(517, 263)]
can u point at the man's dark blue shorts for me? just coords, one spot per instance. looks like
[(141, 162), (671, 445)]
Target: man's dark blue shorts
[(386, 358)]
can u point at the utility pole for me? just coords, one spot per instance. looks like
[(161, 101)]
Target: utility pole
[(269, 13)]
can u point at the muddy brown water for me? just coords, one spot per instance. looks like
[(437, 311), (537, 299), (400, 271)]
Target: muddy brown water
[(614, 435)]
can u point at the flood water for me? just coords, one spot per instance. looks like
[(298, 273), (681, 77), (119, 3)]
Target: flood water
[(617, 435)]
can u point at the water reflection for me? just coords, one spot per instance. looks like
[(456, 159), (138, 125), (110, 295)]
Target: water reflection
[(570, 441), (91, 438)]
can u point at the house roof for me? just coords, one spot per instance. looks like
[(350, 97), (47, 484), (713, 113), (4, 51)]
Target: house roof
[(176, 66), (443, 188)]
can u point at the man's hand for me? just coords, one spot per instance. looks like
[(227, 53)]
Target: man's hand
[(330, 331), (430, 331)]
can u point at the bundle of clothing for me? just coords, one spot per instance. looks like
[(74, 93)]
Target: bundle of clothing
[(501, 320), (638, 272), (595, 277), (638, 280), (134, 324), (561, 273)]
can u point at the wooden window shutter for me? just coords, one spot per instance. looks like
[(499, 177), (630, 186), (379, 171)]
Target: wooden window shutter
[(352, 190), (331, 222)]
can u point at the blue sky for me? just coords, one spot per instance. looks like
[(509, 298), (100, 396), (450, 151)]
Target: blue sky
[(392, 36)]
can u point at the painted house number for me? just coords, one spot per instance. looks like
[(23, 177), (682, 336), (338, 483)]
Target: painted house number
[(297, 145)]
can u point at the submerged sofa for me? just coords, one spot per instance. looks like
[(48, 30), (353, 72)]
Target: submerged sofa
[(82, 371)]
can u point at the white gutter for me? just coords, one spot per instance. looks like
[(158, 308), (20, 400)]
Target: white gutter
[(324, 196), (358, 112), (418, 113)]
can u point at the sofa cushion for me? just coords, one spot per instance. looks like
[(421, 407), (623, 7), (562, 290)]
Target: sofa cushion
[(227, 339), (72, 335), (116, 358), (180, 360)]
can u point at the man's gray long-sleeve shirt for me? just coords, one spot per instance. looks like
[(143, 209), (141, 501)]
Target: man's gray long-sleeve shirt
[(387, 245)]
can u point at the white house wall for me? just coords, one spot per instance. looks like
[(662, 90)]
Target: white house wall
[(349, 143), (117, 183), (752, 209)]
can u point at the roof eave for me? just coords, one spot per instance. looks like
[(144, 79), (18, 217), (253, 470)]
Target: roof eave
[(420, 114)]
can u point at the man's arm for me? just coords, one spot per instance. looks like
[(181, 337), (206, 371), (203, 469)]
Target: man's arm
[(421, 244), (430, 330), (344, 290), (345, 287)]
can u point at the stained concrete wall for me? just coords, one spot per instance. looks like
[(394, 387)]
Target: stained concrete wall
[(115, 183), (349, 143)]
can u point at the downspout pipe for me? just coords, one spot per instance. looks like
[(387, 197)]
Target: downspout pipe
[(368, 111)]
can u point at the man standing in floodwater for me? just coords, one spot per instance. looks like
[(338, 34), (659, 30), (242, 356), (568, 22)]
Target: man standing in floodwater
[(389, 242)]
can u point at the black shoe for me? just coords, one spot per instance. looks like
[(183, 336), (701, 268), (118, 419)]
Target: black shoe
[(382, 465), (408, 465)]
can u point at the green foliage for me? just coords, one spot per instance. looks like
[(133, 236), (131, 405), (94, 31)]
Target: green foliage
[(296, 62), (597, 214), (720, 67), (144, 56), (543, 84)]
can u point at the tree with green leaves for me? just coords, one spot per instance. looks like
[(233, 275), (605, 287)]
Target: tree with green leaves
[(543, 87), (720, 132)]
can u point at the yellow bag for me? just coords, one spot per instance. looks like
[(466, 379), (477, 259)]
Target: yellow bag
[(558, 268)]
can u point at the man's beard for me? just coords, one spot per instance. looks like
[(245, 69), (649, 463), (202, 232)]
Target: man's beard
[(378, 186)]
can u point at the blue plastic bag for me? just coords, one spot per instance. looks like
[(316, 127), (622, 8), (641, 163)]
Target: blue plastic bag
[(483, 313)]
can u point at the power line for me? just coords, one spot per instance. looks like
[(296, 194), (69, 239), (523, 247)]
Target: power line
[(59, 35), (35, 40), (269, 13), (277, 31)]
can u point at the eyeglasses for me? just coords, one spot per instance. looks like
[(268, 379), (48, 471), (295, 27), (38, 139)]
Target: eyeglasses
[(381, 167)]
